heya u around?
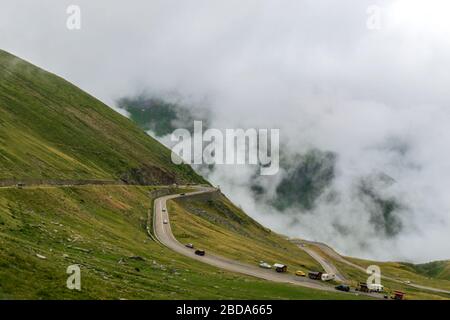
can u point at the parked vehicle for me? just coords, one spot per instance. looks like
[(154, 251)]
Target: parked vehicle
[(375, 287), (343, 287), (364, 287), (280, 267), (327, 276), (265, 265), (315, 275), (165, 221), (182, 194), (164, 210), (300, 273), (398, 295), (200, 252), (20, 185), (189, 245)]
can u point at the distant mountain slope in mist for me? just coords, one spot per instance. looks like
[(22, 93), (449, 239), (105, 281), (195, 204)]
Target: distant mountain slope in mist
[(161, 116), (50, 129)]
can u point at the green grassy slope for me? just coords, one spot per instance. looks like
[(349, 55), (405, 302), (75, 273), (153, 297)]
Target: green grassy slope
[(102, 228), (402, 272), (212, 222), (408, 272), (50, 129), (435, 269), (392, 270)]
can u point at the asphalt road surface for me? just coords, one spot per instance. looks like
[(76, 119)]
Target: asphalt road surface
[(327, 265)]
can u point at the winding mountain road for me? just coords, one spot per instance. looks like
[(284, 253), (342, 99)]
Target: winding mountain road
[(163, 233), (326, 264)]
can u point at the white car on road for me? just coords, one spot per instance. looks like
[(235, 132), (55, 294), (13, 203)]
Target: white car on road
[(265, 265)]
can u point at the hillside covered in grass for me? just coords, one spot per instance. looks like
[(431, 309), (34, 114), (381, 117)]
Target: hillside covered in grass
[(395, 275), (50, 129), (431, 274), (435, 269), (43, 230), (212, 222)]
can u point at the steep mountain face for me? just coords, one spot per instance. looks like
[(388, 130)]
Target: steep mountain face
[(50, 129)]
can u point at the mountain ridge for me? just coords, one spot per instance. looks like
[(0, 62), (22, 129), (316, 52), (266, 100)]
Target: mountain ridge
[(50, 129)]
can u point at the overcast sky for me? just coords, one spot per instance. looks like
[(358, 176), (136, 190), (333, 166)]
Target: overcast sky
[(312, 68)]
